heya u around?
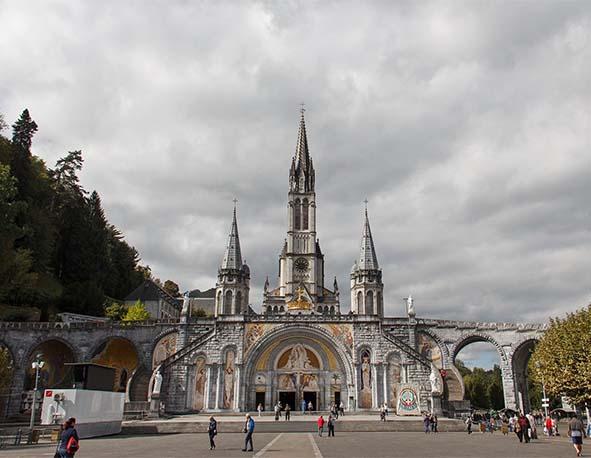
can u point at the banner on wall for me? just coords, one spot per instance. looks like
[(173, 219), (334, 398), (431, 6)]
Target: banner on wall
[(408, 400)]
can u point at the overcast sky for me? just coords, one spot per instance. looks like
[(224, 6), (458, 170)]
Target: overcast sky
[(467, 126)]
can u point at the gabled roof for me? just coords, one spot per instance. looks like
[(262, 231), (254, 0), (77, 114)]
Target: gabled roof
[(150, 291)]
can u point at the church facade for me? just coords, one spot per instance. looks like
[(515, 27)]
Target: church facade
[(302, 349)]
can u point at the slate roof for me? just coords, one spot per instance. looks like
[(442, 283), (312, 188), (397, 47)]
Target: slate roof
[(150, 291)]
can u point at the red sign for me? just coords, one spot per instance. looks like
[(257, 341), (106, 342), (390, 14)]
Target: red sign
[(443, 373), (48, 393)]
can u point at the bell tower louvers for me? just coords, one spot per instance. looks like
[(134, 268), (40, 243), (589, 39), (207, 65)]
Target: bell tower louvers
[(367, 289), (233, 285), (301, 263)]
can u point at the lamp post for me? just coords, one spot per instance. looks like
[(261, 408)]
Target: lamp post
[(37, 364), (545, 400)]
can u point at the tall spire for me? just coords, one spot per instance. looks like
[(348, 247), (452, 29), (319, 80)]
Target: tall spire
[(367, 258), (301, 173), (233, 256), (302, 155)]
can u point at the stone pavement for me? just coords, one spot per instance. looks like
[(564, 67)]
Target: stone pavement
[(303, 445)]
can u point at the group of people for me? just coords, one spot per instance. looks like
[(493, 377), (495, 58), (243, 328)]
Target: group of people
[(278, 409), (328, 422), (383, 411), (248, 430), (430, 423), (68, 443)]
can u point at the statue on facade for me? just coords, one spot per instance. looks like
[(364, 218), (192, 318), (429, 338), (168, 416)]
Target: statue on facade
[(185, 309), (435, 380), (298, 358), (410, 308), (157, 384)]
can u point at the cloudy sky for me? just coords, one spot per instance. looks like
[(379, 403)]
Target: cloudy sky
[(467, 126)]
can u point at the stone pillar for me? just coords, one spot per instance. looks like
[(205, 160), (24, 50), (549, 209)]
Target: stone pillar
[(355, 387), (509, 391), (218, 387), (237, 385), (385, 382), (207, 389), (374, 386)]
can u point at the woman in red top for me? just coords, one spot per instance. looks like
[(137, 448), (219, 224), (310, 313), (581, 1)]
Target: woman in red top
[(549, 426), (320, 425)]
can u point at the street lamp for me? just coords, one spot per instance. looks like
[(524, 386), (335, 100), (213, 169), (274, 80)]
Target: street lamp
[(37, 364), (545, 400)]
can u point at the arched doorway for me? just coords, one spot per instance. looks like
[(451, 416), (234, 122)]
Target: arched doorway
[(54, 354), (120, 354), (296, 367)]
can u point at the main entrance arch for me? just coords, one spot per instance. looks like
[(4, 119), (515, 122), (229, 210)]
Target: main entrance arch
[(295, 366)]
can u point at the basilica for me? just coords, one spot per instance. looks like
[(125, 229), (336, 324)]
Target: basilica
[(301, 349)]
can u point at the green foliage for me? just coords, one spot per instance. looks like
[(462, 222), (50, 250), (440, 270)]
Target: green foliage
[(484, 388), (115, 311), (137, 312), (57, 249), (562, 360)]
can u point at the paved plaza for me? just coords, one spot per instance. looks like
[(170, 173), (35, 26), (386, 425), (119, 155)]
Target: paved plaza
[(296, 445)]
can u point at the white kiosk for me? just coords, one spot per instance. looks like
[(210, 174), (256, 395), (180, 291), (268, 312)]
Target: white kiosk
[(91, 400)]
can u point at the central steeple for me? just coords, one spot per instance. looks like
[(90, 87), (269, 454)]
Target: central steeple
[(301, 174), (301, 263)]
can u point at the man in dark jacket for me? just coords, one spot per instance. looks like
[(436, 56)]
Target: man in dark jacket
[(212, 430), (68, 432)]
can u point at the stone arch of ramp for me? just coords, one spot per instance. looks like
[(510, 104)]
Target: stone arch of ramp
[(43, 339), (519, 360), (472, 337)]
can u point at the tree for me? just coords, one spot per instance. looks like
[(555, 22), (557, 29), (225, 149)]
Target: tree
[(137, 312), (171, 288), (23, 131), (115, 311), (562, 360)]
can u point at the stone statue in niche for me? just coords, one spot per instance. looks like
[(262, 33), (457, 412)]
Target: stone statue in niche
[(229, 380), (365, 398), (435, 380), (200, 376)]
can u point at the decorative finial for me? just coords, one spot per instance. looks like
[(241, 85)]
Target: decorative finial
[(302, 109)]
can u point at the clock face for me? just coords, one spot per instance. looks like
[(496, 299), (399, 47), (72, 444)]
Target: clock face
[(301, 264)]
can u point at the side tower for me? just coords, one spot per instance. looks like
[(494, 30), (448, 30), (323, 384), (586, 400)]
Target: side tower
[(233, 285), (367, 289)]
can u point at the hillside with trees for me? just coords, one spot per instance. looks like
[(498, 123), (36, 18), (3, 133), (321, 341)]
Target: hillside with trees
[(58, 251)]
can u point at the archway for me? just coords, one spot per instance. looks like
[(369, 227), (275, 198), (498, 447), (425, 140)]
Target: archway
[(120, 354), (479, 360), (527, 395), (295, 366), (54, 374), (165, 347)]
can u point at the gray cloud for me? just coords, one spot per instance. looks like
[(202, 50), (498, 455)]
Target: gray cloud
[(466, 124)]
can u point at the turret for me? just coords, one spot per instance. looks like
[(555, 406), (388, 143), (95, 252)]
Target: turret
[(233, 285), (367, 288)]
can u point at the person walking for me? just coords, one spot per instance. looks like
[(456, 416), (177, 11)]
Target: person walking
[(276, 408), (331, 421), (260, 408), (320, 423), (548, 426), (576, 431), (212, 430), (310, 407), (427, 423), (68, 443), (303, 406), (249, 430), (287, 412), (382, 414), (342, 409), (434, 423), (533, 431), (469, 425), (522, 428)]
